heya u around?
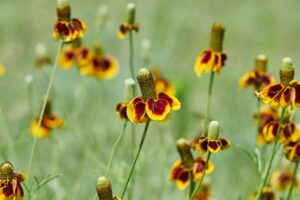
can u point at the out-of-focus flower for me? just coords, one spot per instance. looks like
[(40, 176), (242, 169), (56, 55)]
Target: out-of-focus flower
[(212, 59), (49, 121), (204, 193), (42, 57), (10, 183), (282, 180), (2, 70), (129, 91), (292, 150), (267, 194), (161, 84), (129, 24), (65, 27)]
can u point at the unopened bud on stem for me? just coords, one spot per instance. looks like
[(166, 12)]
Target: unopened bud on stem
[(104, 189), (286, 71), (63, 10), (131, 13), (213, 130), (129, 91), (6, 170), (146, 84), (184, 149), (261, 63), (217, 35)]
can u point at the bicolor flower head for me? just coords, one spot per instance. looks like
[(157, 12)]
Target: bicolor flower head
[(129, 24), (266, 115), (49, 122), (267, 194), (292, 150), (150, 105), (204, 193), (129, 91), (104, 189), (104, 66), (284, 94), (161, 84), (282, 180), (181, 174), (10, 183), (212, 143), (212, 59), (67, 28), (288, 131)]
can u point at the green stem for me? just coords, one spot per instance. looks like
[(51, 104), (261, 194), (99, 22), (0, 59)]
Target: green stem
[(115, 147), (133, 144), (136, 157), (269, 166), (43, 111), (131, 55), (202, 177), (211, 81), (293, 182), (192, 184), (258, 118)]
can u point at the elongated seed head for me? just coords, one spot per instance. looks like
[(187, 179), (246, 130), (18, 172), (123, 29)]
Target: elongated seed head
[(261, 63), (184, 149), (131, 13), (286, 71), (104, 189), (6, 170), (217, 35), (63, 10), (146, 83), (213, 130)]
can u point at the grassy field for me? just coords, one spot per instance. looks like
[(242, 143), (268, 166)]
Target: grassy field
[(178, 31)]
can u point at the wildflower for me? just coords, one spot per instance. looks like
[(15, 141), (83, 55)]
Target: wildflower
[(257, 77), (288, 131), (150, 105), (203, 193), (49, 121), (212, 142), (129, 24), (282, 180), (292, 150), (102, 16), (67, 28), (2, 70), (267, 194), (10, 183), (42, 56), (161, 84), (266, 115), (104, 189), (284, 94), (212, 59), (121, 108)]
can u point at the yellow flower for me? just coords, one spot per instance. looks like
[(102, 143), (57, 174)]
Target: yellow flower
[(2, 70), (282, 180)]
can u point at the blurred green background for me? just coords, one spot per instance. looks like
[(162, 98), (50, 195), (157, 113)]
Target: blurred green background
[(178, 30)]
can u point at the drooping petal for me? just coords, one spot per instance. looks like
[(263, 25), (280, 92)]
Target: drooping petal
[(121, 110), (105, 67), (287, 97), (157, 109), (44, 131), (136, 110), (67, 58), (173, 101), (214, 146), (198, 168), (204, 62), (179, 175), (53, 121), (225, 143), (271, 94), (201, 145)]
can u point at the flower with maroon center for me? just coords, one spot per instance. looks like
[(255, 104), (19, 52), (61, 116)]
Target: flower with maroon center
[(266, 115), (129, 25), (257, 79), (292, 150), (288, 131), (204, 193), (203, 144), (267, 194), (75, 55), (282, 180), (209, 61), (138, 110), (121, 109), (181, 174), (161, 84), (104, 66), (10, 183)]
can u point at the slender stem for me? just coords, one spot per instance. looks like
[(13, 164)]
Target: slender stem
[(258, 118), (293, 181), (211, 81), (202, 177), (131, 55), (137, 156), (269, 166), (133, 145), (43, 111), (192, 184), (115, 147)]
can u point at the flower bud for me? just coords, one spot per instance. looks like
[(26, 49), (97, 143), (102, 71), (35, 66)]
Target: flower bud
[(6, 170), (28, 78), (286, 71), (130, 13), (146, 50), (213, 130), (63, 10), (146, 83), (102, 15), (129, 89), (41, 49), (261, 63), (184, 149), (217, 35), (104, 189)]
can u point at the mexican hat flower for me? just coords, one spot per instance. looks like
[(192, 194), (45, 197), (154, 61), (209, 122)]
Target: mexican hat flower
[(10, 183), (187, 167), (162, 84), (258, 77), (292, 150), (129, 90), (212, 143), (49, 122), (282, 180), (104, 189), (150, 105), (204, 193), (283, 94), (267, 194), (212, 59), (129, 25), (65, 27)]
